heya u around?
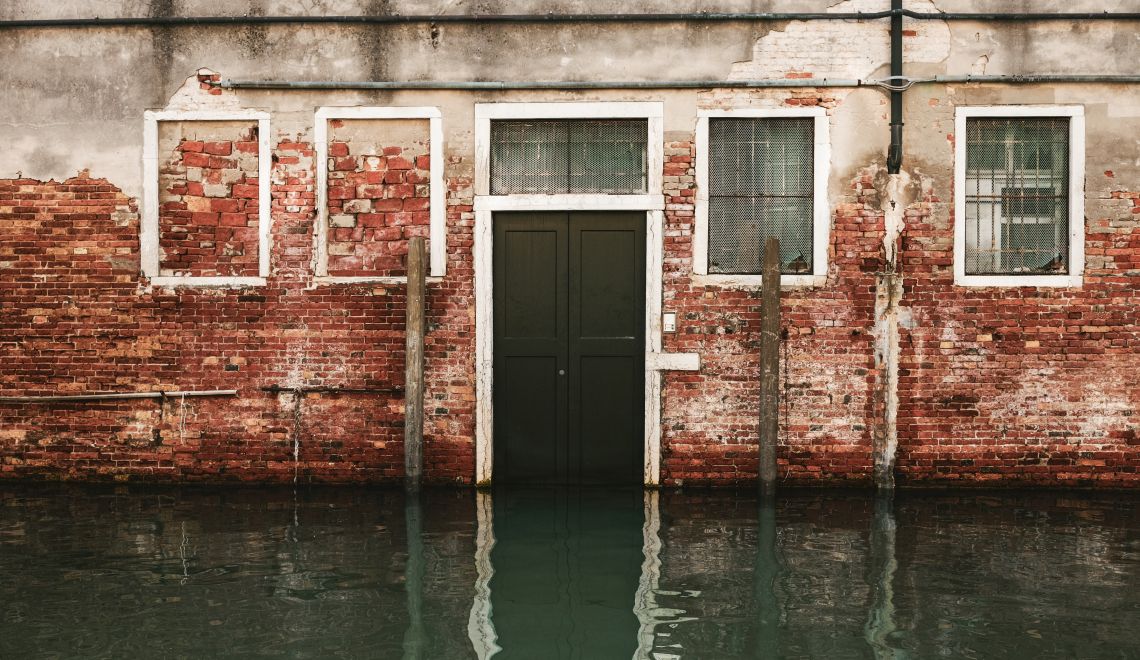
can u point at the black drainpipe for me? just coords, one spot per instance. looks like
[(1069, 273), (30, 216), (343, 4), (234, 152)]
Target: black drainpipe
[(895, 151)]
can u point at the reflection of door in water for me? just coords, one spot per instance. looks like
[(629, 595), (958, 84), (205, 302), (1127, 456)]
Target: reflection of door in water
[(569, 347), (566, 570)]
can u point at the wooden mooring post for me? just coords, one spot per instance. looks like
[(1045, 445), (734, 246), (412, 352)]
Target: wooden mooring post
[(414, 365), (769, 365)]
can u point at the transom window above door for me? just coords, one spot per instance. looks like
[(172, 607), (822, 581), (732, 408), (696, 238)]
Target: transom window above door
[(569, 156)]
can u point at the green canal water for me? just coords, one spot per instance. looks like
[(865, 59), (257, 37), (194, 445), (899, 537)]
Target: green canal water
[(134, 572)]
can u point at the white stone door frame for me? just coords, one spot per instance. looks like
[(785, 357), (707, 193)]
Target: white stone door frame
[(652, 204)]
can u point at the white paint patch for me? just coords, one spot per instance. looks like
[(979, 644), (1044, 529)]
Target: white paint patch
[(1105, 404), (191, 96), (842, 49)]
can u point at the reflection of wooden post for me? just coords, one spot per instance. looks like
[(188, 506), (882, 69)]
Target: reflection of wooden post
[(767, 569), (414, 370), (769, 365), (414, 639)]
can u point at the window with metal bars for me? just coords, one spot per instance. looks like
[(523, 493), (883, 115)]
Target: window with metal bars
[(1017, 199), (761, 184), (563, 156)]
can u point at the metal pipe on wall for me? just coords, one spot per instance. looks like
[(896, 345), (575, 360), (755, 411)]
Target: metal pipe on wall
[(892, 83), (109, 396), (895, 150), (551, 18), (534, 84)]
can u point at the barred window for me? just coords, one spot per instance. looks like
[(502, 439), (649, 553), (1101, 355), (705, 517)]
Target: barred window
[(761, 184), (1017, 199), (561, 156)]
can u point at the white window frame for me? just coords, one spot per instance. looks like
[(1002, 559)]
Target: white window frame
[(821, 209), (1076, 115), (652, 203), (150, 252), (437, 231)]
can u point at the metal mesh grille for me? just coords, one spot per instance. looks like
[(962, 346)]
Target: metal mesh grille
[(569, 156), (1017, 210), (760, 184)]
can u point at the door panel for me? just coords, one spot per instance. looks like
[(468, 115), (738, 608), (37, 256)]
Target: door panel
[(610, 295), (607, 346), (530, 391), (530, 346), (531, 305), (610, 392), (569, 347)]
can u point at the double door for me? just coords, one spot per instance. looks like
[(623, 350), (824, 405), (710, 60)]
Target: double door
[(569, 333)]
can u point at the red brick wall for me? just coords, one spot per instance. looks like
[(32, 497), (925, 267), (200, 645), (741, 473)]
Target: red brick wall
[(1025, 385), (711, 418), (1016, 385), (77, 317)]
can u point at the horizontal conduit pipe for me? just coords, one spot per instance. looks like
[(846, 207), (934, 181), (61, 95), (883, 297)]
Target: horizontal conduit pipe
[(107, 396), (331, 389), (1027, 16), (1034, 78), (892, 83), (703, 17), (522, 84)]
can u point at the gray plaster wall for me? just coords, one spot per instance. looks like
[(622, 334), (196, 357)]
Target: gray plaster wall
[(75, 97)]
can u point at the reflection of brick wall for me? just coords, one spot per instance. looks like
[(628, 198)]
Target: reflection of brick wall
[(376, 203), (208, 217)]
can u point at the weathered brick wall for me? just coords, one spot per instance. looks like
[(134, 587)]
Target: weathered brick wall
[(1022, 384), (77, 317), (710, 421), (1017, 385)]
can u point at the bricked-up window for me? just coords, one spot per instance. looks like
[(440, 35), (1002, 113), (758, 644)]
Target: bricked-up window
[(568, 156), (761, 184), (379, 194), (208, 220), (1017, 201)]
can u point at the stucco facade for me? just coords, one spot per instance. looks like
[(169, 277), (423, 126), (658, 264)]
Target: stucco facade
[(887, 356)]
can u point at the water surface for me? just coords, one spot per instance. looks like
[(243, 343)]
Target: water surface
[(100, 571)]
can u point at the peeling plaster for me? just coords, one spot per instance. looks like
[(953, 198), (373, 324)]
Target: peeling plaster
[(842, 49), (896, 193)]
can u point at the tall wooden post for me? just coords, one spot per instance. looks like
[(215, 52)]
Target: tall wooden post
[(414, 369), (769, 365)]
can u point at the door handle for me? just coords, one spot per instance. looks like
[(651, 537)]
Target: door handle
[(561, 372)]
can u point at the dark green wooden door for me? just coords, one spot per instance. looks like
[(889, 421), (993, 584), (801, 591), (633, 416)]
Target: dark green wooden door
[(569, 347)]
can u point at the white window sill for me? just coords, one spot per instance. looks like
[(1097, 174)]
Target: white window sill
[(208, 281), (327, 280), (747, 281), (1055, 281)]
